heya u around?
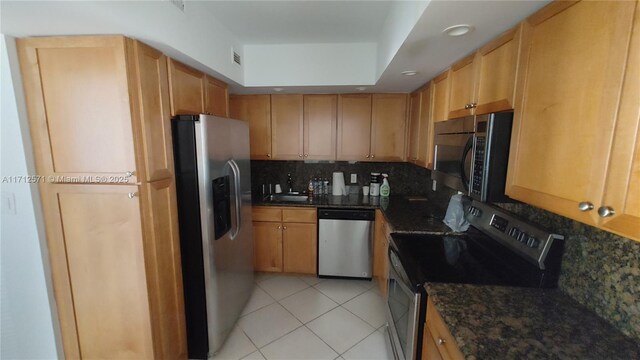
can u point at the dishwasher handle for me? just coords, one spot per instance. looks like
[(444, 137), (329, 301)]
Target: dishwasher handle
[(347, 214)]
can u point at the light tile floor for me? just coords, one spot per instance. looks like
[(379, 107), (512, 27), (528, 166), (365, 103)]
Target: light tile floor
[(304, 317)]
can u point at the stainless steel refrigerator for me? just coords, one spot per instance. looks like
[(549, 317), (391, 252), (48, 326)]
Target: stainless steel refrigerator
[(213, 184)]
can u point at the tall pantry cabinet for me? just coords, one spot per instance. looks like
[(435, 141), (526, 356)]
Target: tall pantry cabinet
[(100, 122)]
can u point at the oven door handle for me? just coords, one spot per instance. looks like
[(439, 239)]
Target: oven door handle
[(396, 267)]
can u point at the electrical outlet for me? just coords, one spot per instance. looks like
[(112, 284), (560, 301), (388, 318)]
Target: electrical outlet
[(354, 178)]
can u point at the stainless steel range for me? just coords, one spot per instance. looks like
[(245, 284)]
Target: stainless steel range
[(498, 249)]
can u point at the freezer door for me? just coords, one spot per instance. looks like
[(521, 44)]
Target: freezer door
[(222, 147)]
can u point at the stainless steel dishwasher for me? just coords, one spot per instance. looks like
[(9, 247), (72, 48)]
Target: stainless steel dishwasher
[(345, 242)]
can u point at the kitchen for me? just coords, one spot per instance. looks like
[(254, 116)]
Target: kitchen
[(599, 268)]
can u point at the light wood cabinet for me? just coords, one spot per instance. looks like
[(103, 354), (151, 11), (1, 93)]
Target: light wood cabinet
[(216, 97), (113, 249), (354, 127), (255, 109), (438, 343), (187, 89), (569, 111), (320, 127), (497, 64), (380, 251), (285, 239), (461, 86), (372, 127), (421, 128), (440, 88), (287, 127), (388, 127)]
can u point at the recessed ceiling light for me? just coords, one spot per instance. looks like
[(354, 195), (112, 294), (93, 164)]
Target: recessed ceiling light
[(409, 73), (458, 30), (277, 89), (361, 88)]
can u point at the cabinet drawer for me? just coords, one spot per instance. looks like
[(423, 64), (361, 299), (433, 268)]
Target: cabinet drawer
[(266, 213), (444, 340), (299, 215)]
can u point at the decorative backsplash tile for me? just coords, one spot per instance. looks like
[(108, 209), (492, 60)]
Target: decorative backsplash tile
[(599, 270)]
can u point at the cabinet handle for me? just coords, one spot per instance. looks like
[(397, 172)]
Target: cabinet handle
[(268, 155), (278, 227), (441, 341), (606, 211), (466, 106), (372, 156), (585, 206), (284, 228), (129, 173), (367, 156), (131, 195), (473, 105), (306, 155), (299, 155)]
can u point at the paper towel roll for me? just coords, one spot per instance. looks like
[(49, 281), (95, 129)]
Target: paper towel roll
[(338, 184)]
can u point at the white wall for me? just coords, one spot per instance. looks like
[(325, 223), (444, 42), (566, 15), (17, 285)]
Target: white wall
[(310, 64), (28, 326)]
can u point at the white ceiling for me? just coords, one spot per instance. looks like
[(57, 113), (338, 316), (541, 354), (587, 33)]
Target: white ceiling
[(300, 46), (302, 22)]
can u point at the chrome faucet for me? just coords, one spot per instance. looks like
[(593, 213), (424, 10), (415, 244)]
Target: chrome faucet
[(290, 183)]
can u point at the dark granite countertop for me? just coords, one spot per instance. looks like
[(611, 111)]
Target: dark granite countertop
[(405, 214), (494, 322)]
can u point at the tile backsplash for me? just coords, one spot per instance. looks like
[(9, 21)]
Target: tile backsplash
[(599, 270), (404, 178)]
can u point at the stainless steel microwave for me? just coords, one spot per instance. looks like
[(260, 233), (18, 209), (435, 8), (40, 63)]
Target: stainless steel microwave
[(471, 155)]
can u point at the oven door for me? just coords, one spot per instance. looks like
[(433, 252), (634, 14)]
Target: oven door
[(403, 309)]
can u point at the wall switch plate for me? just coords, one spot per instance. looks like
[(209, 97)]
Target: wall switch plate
[(354, 178)]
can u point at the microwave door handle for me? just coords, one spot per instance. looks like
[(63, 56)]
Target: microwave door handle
[(465, 152)]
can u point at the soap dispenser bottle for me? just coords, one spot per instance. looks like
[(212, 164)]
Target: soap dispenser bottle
[(385, 189)]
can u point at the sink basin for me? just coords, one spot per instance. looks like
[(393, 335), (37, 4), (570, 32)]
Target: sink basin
[(286, 198)]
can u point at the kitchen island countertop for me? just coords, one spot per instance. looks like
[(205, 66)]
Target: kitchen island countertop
[(495, 322)]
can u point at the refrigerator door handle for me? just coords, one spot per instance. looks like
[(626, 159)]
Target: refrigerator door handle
[(237, 197)]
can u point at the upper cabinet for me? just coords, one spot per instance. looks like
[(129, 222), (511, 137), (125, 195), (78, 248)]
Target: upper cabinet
[(320, 129), (461, 84), (424, 157), (255, 109), (187, 89), (216, 100), (354, 127), (497, 64), (372, 128), (413, 135), (440, 88), (574, 148), (286, 127)]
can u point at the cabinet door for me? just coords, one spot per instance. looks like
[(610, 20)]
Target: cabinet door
[(441, 97), (429, 346), (286, 127), (622, 191), (320, 118), (462, 79), (388, 127), (78, 103), (187, 89), (267, 246), (300, 245), (497, 66), (574, 57), (414, 126), (354, 127), (380, 256), (216, 97), (96, 246), (151, 111), (426, 138), (256, 109), (164, 272)]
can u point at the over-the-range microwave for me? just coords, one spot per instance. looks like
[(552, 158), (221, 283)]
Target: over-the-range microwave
[(471, 155)]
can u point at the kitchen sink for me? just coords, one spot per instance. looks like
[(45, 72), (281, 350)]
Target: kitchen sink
[(286, 198)]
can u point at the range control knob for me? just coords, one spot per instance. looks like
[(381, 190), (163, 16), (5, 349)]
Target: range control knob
[(532, 242), (522, 237), (474, 211)]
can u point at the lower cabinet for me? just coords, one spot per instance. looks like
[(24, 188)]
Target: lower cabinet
[(285, 239), (437, 341), (380, 250)]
